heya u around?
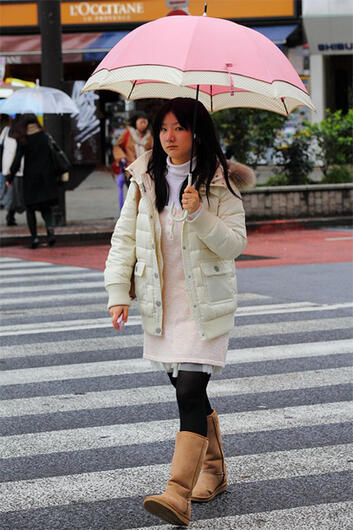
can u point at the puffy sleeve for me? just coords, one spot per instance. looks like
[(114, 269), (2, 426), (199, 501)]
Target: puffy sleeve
[(122, 255), (224, 233)]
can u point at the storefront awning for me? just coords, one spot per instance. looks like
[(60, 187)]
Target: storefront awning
[(76, 47), (102, 45), (328, 26), (278, 34)]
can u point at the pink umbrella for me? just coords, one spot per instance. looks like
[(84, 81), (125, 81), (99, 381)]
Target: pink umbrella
[(221, 63), (234, 66)]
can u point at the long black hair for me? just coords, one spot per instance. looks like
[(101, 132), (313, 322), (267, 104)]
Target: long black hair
[(208, 153), (19, 127)]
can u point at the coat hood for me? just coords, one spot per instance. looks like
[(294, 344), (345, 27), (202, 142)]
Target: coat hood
[(242, 176)]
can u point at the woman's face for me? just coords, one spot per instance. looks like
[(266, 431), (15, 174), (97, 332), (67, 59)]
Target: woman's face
[(141, 124), (175, 140)]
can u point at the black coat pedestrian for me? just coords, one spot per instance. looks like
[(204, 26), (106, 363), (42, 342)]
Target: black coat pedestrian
[(40, 185)]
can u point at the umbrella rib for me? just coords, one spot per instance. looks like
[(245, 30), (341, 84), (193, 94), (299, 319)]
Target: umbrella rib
[(285, 106), (211, 97), (132, 89)]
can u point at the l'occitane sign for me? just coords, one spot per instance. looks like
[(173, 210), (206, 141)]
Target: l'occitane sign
[(110, 11), (102, 12)]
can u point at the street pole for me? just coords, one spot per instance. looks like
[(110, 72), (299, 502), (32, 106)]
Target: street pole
[(49, 17)]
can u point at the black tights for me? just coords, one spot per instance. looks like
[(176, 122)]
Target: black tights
[(32, 221), (193, 403)]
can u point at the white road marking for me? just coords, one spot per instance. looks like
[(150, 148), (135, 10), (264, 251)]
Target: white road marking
[(152, 431), (140, 481), (332, 516), (342, 238), (164, 393), (272, 328)]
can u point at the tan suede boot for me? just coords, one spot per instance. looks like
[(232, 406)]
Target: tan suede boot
[(213, 476), (174, 505)]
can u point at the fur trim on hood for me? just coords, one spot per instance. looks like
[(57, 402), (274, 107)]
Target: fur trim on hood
[(241, 175)]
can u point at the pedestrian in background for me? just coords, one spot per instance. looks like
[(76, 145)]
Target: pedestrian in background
[(11, 196), (135, 140), (4, 129), (40, 186), (184, 276)]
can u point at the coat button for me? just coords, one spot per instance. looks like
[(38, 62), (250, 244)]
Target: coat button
[(156, 275), (189, 276), (216, 268), (184, 247), (158, 304), (153, 246), (158, 330)]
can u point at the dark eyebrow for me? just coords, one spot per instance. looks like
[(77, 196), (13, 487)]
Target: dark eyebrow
[(174, 123)]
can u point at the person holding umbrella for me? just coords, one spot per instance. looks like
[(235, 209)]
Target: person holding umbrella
[(40, 186), (185, 282)]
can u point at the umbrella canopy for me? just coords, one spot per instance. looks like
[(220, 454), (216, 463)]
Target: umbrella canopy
[(234, 66), (39, 100)]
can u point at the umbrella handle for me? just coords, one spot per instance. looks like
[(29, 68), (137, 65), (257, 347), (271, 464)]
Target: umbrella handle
[(172, 207)]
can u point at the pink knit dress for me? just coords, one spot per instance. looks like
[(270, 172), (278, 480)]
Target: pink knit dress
[(180, 346)]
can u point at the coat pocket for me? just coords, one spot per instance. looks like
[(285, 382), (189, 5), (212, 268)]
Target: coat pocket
[(144, 288), (219, 280), (139, 272)]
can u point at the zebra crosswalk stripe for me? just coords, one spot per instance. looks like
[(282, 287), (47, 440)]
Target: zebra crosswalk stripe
[(326, 516), (135, 320), (243, 331), (159, 394), (119, 483), (161, 430)]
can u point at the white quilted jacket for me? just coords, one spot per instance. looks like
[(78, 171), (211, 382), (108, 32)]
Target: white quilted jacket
[(210, 243)]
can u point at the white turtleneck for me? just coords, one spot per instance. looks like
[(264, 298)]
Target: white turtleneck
[(176, 174)]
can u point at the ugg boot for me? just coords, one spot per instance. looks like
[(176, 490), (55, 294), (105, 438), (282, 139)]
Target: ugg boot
[(174, 505), (213, 476)]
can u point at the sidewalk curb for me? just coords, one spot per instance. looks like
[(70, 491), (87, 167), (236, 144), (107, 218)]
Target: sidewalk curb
[(102, 236)]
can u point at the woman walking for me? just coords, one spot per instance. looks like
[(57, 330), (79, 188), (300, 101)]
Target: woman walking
[(184, 275), (40, 186)]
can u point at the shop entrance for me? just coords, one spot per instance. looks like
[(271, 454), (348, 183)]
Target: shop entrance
[(339, 75)]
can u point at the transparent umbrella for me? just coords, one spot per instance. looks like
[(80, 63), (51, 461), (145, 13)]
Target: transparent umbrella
[(39, 100)]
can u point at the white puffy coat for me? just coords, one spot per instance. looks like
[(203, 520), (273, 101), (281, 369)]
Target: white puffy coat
[(210, 244)]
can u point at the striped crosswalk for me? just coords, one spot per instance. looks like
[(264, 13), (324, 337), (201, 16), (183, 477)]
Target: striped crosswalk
[(88, 426)]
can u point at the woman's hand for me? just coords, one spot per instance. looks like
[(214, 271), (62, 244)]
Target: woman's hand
[(190, 199), (115, 311)]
